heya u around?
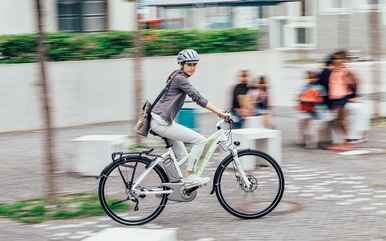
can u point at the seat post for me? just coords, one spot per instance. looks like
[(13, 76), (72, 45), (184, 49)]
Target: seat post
[(166, 142)]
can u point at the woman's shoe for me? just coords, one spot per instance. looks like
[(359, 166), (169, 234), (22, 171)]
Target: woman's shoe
[(194, 180)]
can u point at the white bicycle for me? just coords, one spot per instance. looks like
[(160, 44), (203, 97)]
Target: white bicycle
[(135, 188)]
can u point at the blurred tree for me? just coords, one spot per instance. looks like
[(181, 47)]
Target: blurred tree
[(375, 51), (138, 66), (50, 164)]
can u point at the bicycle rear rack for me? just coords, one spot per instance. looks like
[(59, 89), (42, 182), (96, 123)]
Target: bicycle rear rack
[(140, 153)]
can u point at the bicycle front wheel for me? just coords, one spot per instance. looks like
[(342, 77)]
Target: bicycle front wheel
[(267, 188), (120, 203)]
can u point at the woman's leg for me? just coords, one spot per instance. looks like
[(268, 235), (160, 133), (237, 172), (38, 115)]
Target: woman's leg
[(180, 134), (178, 148)]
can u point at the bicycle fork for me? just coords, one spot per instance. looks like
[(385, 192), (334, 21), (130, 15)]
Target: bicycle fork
[(244, 177)]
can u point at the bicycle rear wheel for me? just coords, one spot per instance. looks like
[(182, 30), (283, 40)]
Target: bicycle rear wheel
[(259, 200), (124, 206)]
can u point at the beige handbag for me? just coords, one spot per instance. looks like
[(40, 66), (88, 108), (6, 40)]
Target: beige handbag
[(143, 124)]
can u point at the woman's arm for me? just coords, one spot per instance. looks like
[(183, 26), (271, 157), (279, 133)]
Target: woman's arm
[(214, 109)]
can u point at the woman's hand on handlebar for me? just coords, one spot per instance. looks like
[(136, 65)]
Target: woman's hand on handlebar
[(222, 114), (226, 116)]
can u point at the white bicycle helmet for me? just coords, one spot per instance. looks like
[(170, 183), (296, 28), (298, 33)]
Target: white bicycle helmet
[(187, 55)]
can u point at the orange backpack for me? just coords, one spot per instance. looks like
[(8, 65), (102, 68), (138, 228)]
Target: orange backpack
[(308, 98)]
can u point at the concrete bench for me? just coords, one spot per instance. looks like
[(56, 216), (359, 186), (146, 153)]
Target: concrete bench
[(93, 152), (253, 122), (133, 234), (358, 121), (266, 140)]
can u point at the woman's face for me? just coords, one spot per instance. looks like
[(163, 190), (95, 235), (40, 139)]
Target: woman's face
[(190, 68)]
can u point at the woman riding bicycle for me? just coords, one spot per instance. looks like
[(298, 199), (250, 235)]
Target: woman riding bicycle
[(165, 111)]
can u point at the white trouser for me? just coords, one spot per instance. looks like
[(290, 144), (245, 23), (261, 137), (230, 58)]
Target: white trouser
[(177, 134), (357, 120)]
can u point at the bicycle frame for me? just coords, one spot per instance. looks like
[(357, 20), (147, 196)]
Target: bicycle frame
[(216, 139)]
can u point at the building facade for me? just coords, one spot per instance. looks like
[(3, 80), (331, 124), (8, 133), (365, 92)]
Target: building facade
[(304, 26), (18, 16)]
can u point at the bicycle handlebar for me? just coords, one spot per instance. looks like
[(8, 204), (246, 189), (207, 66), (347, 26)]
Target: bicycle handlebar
[(227, 120)]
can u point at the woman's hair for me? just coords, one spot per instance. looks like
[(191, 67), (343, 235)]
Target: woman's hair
[(328, 60), (262, 83), (171, 75), (262, 80), (339, 55), (312, 74)]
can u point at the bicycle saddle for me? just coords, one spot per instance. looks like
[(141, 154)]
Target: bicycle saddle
[(153, 133)]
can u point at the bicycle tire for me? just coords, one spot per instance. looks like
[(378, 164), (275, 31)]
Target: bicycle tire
[(114, 194), (255, 202)]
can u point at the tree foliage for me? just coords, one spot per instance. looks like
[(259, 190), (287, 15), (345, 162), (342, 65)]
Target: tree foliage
[(119, 44)]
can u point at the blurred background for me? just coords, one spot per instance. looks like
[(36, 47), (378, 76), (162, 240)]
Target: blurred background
[(278, 39), (83, 67)]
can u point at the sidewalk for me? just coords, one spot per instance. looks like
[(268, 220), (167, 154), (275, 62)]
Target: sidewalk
[(328, 195)]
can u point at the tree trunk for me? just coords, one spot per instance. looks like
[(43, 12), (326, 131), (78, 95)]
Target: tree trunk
[(50, 178), (375, 50), (139, 101)]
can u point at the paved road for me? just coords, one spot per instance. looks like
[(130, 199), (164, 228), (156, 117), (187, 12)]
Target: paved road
[(328, 196)]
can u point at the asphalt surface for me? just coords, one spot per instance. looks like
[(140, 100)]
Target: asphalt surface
[(328, 195)]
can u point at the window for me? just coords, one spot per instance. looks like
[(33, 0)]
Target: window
[(301, 35), (337, 3), (82, 15), (333, 6), (219, 17), (282, 27)]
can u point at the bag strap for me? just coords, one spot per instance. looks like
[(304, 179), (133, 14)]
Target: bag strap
[(162, 93)]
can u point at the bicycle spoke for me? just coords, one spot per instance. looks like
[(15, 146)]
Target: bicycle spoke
[(257, 200), (128, 207)]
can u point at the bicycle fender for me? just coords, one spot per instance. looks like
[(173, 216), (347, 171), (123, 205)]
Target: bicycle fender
[(214, 187)]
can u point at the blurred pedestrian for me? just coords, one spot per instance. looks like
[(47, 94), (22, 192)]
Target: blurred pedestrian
[(259, 99), (165, 111), (340, 79), (311, 106), (240, 103), (324, 79), (358, 120)]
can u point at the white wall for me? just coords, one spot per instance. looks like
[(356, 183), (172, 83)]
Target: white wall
[(85, 92)]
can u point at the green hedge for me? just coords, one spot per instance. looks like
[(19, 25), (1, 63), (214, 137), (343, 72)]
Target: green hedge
[(67, 46)]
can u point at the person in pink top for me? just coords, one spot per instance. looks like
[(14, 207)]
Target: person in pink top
[(340, 80), (259, 99)]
